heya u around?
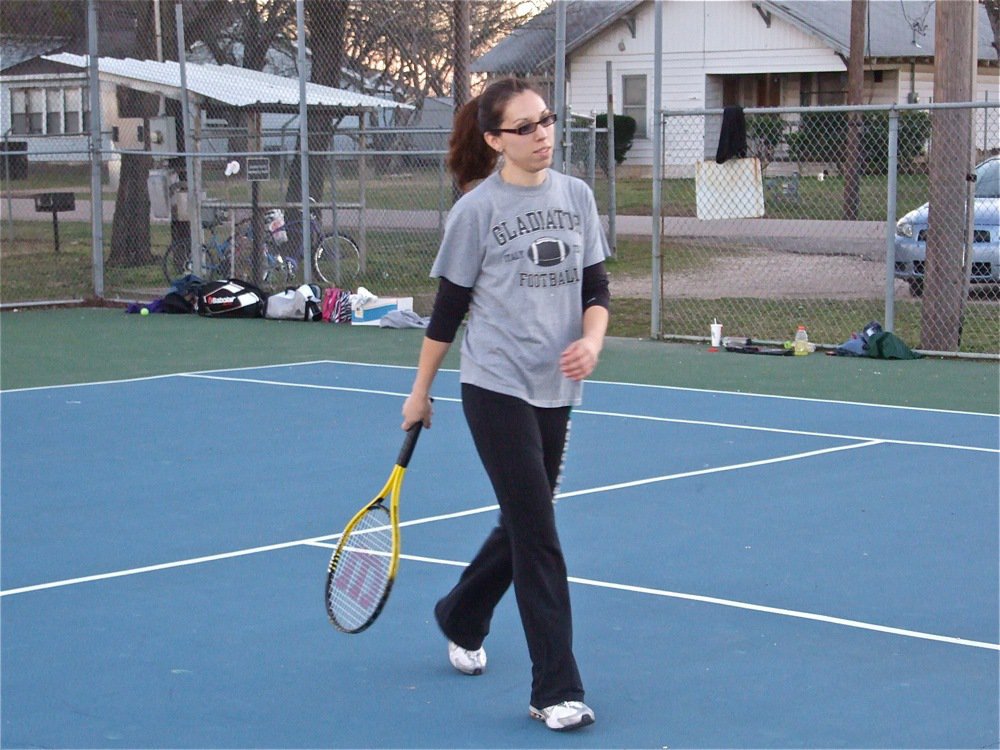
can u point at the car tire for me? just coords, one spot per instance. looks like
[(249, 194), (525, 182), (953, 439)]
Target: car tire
[(916, 287)]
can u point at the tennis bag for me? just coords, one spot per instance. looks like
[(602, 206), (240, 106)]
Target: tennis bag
[(231, 298)]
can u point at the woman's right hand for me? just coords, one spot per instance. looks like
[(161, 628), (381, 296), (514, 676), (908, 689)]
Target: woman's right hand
[(417, 408)]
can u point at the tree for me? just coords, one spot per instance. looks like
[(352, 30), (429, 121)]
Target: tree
[(130, 237), (855, 88), (325, 24), (258, 22), (403, 49), (408, 45), (945, 275), (67, 18)]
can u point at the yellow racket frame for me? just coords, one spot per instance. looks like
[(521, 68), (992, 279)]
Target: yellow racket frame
[(392, 489)]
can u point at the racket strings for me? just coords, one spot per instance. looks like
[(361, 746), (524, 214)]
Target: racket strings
[(360, 577)]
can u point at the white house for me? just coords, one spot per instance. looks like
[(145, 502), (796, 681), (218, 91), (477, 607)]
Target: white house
[(719, 53), (45, 106)]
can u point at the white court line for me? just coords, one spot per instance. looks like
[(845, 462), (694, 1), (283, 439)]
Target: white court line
[(375, 365), (144, 378), (328, 541), (415, 522), (750, 394), (619, 415), (683, 389), (733, 603)]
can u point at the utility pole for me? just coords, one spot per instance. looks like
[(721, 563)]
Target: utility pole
[(461, 87), (948, 240), (463, 53), (855, 97)]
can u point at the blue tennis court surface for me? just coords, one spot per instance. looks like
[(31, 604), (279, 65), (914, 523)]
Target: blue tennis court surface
[(747, 571)]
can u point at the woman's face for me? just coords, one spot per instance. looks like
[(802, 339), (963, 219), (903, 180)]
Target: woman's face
[(525, 156)]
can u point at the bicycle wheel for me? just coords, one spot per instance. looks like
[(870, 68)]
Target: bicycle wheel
[(177, 261), (337, 261)]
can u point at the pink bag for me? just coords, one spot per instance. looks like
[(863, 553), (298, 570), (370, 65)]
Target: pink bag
[(336, 305)]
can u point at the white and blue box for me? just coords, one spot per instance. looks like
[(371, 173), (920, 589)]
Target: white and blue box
[(372, 311)]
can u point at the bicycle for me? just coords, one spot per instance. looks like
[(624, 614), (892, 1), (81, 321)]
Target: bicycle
[(336, 259), (216, 252)]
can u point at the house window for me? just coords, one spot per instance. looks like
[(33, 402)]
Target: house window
[(54, 111), (731, 91), (831, 89), (36, 110), (768, 90), (634, 102), (74, 97), (18, 112), (26, 108)]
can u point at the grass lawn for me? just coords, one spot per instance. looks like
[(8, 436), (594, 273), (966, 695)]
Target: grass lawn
[(428, 189)]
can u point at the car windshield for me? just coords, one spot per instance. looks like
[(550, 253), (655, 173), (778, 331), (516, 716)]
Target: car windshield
[(988, 179)]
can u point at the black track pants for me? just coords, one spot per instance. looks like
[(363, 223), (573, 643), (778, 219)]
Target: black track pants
[(521, 447)]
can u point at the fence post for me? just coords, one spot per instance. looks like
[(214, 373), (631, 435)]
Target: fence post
[(659, 123), (300, 32), (592, 154), (193, 199), (96, 195), (612, 195), (562, 126), (890, 221), (362, 190)]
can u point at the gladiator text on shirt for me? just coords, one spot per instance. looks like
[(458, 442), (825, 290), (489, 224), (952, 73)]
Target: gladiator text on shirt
[(534, 221)]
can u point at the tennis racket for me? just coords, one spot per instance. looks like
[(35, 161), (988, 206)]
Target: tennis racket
[(363, 567)]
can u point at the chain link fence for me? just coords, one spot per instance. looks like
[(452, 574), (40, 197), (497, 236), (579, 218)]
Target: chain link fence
[(804, 230), (377, 184), (831, 186)]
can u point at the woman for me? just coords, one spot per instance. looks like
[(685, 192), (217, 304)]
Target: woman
[(523, 253)]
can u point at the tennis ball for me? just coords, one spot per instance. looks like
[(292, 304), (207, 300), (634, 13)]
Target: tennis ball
[(144, 311)]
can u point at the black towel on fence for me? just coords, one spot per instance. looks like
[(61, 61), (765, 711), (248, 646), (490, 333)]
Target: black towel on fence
[(733, 138)]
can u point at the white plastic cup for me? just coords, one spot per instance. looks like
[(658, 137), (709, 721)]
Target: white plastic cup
[(716, 333)]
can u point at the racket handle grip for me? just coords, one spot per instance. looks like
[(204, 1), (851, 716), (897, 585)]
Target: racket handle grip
[(409, 443)]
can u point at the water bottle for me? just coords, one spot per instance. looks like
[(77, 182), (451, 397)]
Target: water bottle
[(801, 342)]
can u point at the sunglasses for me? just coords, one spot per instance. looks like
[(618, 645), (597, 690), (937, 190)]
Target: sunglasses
[(529, 127)]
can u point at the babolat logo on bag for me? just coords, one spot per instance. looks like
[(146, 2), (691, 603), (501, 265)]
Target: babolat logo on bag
[(231, 298)]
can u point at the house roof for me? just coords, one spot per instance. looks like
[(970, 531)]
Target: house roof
[(532, 46), (892, 34), (116, 25), (226, 84), (896, 28), (15, 50)]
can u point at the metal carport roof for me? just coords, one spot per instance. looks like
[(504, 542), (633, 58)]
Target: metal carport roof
[(226, 84)]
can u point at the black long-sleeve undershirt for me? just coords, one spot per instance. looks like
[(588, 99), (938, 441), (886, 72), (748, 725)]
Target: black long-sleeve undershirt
[(452, 301)]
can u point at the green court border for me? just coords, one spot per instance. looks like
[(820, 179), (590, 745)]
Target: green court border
[(44, 347)]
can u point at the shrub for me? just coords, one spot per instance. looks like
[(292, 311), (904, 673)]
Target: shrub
[(822, 137), (765, 133), (624, 134)]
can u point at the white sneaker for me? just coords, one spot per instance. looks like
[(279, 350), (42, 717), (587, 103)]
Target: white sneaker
[(465, 661), (564, 716)]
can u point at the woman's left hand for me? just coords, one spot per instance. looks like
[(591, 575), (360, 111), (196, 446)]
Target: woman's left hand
[(579, 359)]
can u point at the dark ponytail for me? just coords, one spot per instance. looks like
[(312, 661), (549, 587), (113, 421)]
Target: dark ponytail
[(470, 158)]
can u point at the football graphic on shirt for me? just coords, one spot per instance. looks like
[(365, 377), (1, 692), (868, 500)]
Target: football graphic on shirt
[(548, 251)]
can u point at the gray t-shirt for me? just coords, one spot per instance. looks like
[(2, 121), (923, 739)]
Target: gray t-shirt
[(522, 250)]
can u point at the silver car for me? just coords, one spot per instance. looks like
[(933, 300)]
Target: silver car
[(911, 234)]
